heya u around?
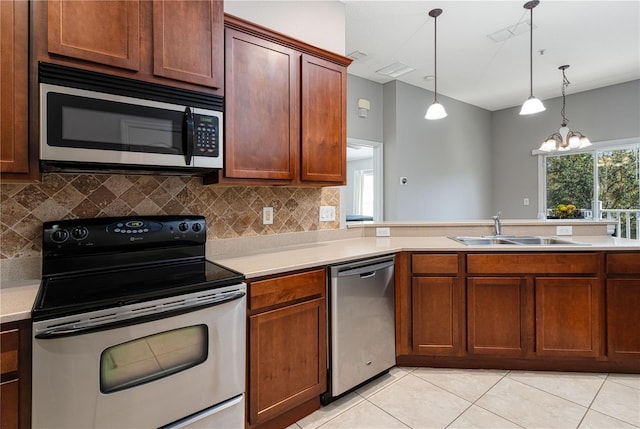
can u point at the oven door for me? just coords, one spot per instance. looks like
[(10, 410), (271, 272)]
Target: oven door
[(172, 362), (89, 127)]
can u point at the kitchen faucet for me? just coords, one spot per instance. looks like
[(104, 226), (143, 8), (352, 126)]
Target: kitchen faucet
[(497, 224)]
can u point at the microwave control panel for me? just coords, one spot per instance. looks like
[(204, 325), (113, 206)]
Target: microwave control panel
[(206, 135)]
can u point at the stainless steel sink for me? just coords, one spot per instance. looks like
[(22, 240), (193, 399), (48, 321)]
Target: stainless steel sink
[(516, 240), (475, 241)]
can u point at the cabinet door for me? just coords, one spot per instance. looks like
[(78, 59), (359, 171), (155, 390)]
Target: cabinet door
[(436, 315), (9, 392), (496, 315), (104, 32), (14, 144), (188, 41), (261, 116), (324, 130), (286, 368), (567, 316), (623, 318)]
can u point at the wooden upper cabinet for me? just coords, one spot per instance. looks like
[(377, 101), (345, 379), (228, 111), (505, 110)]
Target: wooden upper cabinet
[(171, 42), (104, 32), (14, 48), (261, 122), (285, 112), (187, 41), (324, 128)]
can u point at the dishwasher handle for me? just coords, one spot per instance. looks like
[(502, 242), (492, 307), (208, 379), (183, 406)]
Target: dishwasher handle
[(364, 271)]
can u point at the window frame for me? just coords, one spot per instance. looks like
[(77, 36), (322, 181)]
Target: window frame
[(595, 149)]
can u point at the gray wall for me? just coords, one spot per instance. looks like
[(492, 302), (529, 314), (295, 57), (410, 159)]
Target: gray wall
[(447, 162), (369, 128), (474, 162), (602, 114)]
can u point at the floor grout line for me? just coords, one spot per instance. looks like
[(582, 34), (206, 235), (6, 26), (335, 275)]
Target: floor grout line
[(403, 372)]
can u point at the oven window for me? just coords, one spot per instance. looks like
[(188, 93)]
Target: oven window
[(147, 359)]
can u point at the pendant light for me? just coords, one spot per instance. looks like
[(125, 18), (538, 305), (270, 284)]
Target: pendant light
[(564, 139), (532, 105), (436, 110)]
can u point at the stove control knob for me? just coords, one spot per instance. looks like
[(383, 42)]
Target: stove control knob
[(196, 227), (60, 235), (79, 232), (183, 226)]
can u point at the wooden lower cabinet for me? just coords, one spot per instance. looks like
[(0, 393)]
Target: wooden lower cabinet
[(437, 304), (15, 373), (436, 310), (9, 404), (567, 316), (287, 348), (623, 319), (623, 304), (497, 311)]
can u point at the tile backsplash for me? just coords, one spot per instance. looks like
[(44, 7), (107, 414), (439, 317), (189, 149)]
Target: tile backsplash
[(231, 211)]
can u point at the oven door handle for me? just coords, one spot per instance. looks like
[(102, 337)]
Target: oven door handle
[(151, 313)]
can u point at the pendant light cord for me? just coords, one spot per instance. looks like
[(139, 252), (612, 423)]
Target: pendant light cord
[(565, 84), (531, 53), (435, 59)]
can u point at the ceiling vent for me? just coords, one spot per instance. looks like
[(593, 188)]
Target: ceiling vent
[(395, 70), (356, 55)]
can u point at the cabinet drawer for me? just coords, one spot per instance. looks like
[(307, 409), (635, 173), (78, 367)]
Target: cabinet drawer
[(288, 288), (422, 263), (533, 263), (9, 351), (623, 263)]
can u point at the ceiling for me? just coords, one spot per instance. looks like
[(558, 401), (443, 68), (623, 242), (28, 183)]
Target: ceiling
[(600, 40)]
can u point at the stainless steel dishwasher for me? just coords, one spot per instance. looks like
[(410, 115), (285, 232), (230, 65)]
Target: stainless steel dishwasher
[(361, 344)]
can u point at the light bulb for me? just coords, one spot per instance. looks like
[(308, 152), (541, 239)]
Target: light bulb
[(584, 142), (548, 145)]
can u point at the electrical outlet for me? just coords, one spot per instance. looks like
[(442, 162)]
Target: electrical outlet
[(327, 213), (267, 216), (383, 232), (564, 230)]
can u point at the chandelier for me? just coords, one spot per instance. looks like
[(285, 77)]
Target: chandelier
[(564, 139)]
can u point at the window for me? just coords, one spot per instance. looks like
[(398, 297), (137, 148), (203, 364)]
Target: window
[(603, 183), (363, 193)]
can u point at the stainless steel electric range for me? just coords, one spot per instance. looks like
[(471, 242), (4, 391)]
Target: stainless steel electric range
[(133, 327)]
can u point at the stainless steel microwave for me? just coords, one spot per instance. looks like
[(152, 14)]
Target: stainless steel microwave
[(83, 129)]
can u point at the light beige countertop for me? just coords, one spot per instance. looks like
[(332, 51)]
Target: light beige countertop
[(274, 261), (16, 298)]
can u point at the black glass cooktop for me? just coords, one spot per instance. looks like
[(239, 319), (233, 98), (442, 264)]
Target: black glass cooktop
[(92, 264), (64, 295)]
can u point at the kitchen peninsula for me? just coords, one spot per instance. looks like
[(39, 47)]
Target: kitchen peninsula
[(544, 307)]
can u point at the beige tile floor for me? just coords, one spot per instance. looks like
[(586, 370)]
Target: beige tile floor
[(452, 398)]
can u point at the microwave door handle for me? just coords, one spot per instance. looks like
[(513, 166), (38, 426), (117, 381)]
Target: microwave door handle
[(187, 135)]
